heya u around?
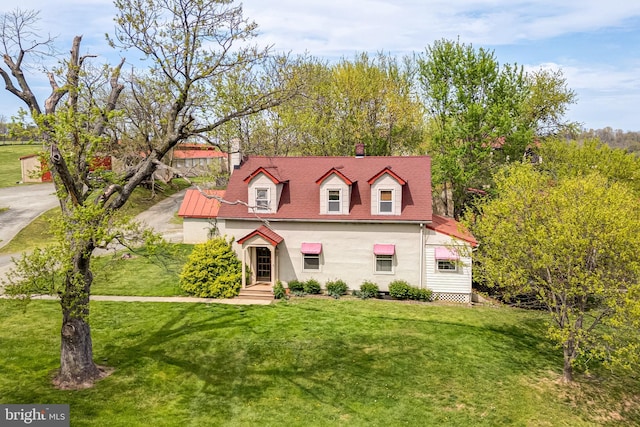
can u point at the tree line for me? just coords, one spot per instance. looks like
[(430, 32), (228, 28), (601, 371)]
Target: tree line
[(205, 79)]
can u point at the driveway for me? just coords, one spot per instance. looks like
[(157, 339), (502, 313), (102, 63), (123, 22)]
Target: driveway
[(159, 217), (25, 203)]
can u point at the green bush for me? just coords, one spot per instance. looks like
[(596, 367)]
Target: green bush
[(296, 286), (368, 290), (420, 294), (399, 289), (213, 270), (278, 291), (312, 286), (336, 288)]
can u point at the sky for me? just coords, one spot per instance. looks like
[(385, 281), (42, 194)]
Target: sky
[(595, 43)]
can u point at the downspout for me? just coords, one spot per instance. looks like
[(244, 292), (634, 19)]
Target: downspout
[(422, 263)]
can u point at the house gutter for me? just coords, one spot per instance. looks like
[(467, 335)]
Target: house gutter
[(422, 261)]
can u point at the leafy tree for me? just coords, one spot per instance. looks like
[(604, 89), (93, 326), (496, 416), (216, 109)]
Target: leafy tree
[(482, 115), (192, 47), (367, 100), (569, 241), (213, 270)]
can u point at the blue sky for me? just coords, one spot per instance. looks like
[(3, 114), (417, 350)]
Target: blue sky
[(595, 43)]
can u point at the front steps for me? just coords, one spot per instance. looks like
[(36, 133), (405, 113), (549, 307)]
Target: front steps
[(256, 292)]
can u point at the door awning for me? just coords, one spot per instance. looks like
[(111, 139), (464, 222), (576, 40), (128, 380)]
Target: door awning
[(311, 248), (384, 249), (444, 253)]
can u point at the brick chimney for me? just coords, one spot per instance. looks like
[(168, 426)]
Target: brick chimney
[(359, 151)]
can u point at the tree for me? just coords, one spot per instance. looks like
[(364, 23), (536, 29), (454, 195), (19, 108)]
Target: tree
[(482, 115), (367, 100), (569, 241), (192, 46)]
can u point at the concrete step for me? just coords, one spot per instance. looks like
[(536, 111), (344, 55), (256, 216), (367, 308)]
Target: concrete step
[(249, 293)]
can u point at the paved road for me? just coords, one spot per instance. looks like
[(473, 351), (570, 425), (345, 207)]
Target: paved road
[(159, 217), (25, 203)]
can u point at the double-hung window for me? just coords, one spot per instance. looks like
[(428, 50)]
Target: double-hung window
[(385, 200), (334, 201), (262, 199)]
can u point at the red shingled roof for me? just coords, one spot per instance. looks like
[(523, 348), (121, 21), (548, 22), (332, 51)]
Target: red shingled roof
[(264, 232), (197, 205), (300, 196), (453, 228)]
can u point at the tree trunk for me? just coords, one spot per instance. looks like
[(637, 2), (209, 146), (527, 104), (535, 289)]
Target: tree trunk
[(77, 368), (569, 354)]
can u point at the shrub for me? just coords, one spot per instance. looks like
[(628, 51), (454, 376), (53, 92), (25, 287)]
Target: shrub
[(336, 288), (312, 286), (368, 290), (213, 270), (296, 286), (399, 289), (278, 291), (420, 294)]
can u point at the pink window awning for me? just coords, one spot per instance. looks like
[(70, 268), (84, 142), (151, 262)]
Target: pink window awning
[(381, 249), (311, 248), (444, 253)]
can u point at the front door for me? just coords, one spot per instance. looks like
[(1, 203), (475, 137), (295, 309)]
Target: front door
[(263, 264)]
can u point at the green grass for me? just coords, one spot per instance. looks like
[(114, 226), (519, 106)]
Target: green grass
[(10, 170), (318, 362), (37, 232), (140, 275)]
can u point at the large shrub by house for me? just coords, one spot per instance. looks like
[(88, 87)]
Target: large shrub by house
[(213, 270)]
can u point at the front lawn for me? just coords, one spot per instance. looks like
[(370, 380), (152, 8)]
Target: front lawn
[(310, 361)]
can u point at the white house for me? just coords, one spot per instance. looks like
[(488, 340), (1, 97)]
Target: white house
[(327, 218)]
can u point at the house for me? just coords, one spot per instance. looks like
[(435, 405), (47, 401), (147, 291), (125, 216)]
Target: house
[(197, 159), (349, 218), (35, 169)]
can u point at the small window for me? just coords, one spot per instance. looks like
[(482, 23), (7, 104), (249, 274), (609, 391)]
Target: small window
[(262, 199), (386, 201), (335, 202), (384, 263), (311, 262), (448, 266)]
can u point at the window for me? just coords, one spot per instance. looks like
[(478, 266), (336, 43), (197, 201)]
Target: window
[(448, 266), (335, 202), (311, 256), (384, 263), (311, 262), (386, 201), (262, 199)]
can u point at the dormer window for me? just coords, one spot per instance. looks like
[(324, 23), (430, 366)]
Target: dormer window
[(334, 201), (386, 202), (262, 199)]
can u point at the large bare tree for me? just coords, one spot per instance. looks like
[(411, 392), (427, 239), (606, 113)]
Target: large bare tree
[(190, 47)]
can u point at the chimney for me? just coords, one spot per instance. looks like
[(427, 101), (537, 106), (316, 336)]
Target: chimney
[(235, 155), (359, 151)]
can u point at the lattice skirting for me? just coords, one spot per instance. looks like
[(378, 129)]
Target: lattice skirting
[(452, 297)]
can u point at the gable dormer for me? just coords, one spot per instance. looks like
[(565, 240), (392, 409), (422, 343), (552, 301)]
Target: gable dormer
[(335, 193), (263, 191), (386, 193)]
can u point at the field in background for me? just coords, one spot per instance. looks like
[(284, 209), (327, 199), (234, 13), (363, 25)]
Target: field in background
[(10, 172)]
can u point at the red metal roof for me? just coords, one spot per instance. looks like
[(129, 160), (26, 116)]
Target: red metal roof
[(453, 228), (300, 196), (198, 154), (197, 205), (264, 232)]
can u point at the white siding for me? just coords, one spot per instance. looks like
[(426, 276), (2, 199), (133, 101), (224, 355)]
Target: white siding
[(458, 282), (386, 182), (196, 230), (347, 250)]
